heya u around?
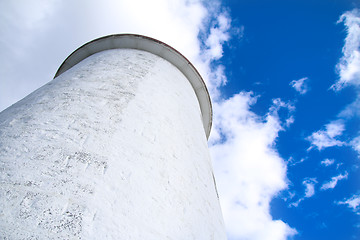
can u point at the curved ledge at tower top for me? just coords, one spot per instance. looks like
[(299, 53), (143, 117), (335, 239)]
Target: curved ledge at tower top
[(151, 45)]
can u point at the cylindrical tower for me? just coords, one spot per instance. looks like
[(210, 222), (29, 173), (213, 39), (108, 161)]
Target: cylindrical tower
[(114, 147)]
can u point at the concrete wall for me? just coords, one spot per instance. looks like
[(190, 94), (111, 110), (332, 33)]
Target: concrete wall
[(114, 148)]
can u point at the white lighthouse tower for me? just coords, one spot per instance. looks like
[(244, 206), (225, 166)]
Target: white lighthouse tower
[(114, 147)]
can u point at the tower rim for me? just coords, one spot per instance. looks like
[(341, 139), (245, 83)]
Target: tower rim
[(154, 46)]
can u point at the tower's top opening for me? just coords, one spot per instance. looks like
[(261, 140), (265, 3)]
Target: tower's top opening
[(153, 46)]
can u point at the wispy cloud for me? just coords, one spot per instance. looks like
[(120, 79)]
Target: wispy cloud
[(291, 162), (211, 45), (310, 189), (301, 85), (349, 65), (333, 182), (309, 184), (328, 137), (353, 203), (348, 70), (355, 144), (278, 104), (249, 169), (218, 35), (327, 162)]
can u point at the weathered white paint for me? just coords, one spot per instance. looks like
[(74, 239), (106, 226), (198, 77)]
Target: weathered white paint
[(113, 148), (133, 41)]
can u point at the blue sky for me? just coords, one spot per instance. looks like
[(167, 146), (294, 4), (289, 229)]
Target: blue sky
[(284, 78)]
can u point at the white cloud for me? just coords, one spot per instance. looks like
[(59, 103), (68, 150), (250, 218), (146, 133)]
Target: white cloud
[(338, 165), (296, 204), (353, 203), (327, 138), (289, 121), (218, 35), (249, 170), (309, 184), (349, 75), (310, 187), (349, 68), (300, 85), (291, 162), (327, 162), (355, 144), (278, 104), (351, 110), (333, 182), (349, 65)]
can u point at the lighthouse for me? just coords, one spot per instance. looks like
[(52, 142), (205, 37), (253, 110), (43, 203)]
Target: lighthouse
[(114, 147)]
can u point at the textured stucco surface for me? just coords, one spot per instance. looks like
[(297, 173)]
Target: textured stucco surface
[(114, 148)]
